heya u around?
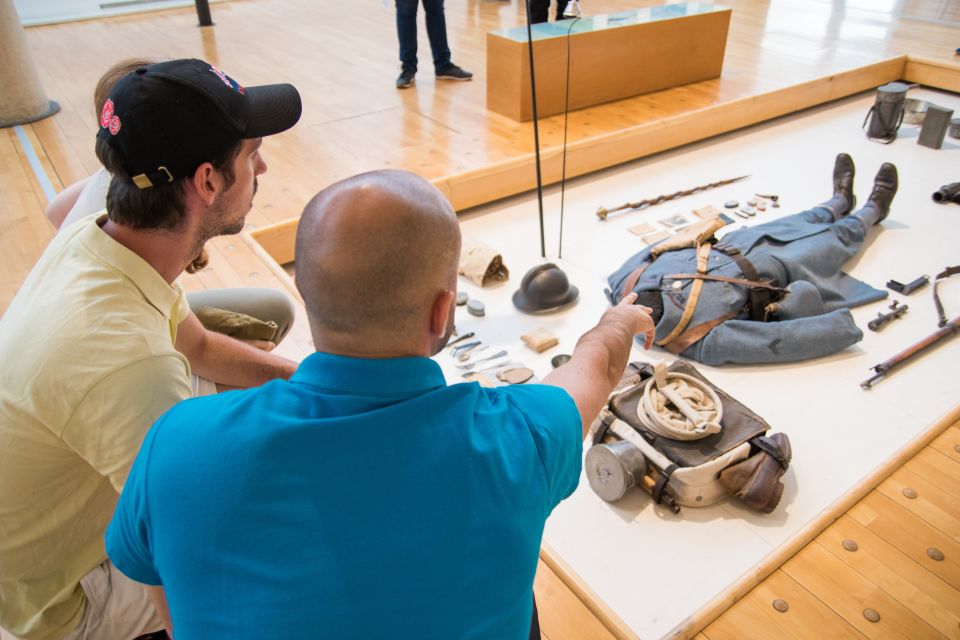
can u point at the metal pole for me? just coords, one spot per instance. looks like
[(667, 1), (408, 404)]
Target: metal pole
[(536, 131), (203, 13)]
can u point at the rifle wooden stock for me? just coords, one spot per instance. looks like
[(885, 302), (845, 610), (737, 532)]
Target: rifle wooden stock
[(885, 367)]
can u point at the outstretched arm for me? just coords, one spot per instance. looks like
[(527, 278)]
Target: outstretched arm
[(600, 357)]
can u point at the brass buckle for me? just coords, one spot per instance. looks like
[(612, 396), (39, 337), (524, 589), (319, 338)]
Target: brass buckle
[(142, 181)]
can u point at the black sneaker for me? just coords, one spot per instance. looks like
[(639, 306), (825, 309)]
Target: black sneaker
[(406, 80), (453, 72)]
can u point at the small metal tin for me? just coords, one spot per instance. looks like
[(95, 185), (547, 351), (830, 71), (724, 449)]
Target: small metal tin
[(752, 203), (954, 130), (935, 554), (909, 493), (781, 605), (560, 359), (850, 545), (476, 308), (871, 615), (934, 127), (731, 204), (462, 298)]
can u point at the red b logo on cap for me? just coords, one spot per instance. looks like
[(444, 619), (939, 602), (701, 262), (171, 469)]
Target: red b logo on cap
[(107, 118), (106, 114)]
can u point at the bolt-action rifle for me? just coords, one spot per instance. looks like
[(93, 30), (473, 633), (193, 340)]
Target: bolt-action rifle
[(949, 329)]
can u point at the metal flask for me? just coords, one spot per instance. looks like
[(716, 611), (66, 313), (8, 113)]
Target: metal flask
[(886, 114)]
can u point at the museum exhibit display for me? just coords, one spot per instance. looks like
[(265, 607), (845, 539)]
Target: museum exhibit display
[(787, 380)]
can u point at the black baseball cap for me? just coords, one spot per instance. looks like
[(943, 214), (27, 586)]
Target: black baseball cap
[(166, 119)]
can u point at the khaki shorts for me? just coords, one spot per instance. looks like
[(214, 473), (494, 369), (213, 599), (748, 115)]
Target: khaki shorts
[(117, 607)]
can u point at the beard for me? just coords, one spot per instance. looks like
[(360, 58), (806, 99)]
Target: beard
[(218, 221)]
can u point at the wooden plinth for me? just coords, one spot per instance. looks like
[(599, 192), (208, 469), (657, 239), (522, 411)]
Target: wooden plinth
[(607, 62)]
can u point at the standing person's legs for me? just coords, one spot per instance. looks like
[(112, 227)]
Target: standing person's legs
[(407, 33), (266, 305), (561, 5), (437, 32), (117, 607), (539, 11)]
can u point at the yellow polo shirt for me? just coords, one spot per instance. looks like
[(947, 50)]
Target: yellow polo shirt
[(87, 365)]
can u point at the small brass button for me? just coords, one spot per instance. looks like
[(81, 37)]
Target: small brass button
[(935, 554), (781, 605), (871, 615), (910, 493), (850, 545)]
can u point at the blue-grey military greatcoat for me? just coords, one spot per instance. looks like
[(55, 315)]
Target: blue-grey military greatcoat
[(803, 253)]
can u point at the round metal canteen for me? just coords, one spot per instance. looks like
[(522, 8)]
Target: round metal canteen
[(613, 468)]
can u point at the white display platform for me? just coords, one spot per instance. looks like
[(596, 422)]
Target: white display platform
[(652, 568)]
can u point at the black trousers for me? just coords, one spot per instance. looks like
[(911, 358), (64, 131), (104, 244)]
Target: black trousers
[(540, 10), (535, 622)]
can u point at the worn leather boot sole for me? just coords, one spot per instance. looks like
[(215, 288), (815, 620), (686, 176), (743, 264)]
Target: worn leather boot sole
[(756, 480)]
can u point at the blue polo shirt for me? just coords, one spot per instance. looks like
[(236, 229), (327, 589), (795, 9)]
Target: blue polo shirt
[(361, 499)]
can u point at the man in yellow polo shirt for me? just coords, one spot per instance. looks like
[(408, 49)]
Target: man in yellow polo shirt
[(99, 342)]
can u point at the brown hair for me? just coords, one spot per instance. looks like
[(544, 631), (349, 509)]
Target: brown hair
[(110, 78)]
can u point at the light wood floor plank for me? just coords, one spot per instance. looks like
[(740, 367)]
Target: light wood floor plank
[(562, 615), (754, 617), (910, 534), (849, 594), (918, 590), (932, 504), (938, 468)]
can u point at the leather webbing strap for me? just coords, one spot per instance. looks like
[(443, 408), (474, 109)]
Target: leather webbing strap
[(703, 252), (763, 284), (632, 280), (697, 332), (946, 273), (661, 483)]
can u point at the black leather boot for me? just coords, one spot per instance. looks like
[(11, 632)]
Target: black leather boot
[(843, 199), (884, 188)]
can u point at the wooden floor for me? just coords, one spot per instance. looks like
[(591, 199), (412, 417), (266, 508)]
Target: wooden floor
[(895, 554), (342, 57)]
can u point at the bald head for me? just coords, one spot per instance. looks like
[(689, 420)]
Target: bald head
[(373, 253)]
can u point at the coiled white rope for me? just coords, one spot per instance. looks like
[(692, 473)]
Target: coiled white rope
[(678, 406)]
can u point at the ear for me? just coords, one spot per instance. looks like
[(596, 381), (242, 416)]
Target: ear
[(440, 312), (206, 183)]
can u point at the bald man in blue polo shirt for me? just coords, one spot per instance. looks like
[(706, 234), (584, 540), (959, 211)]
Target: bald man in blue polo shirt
[(365, 497)]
